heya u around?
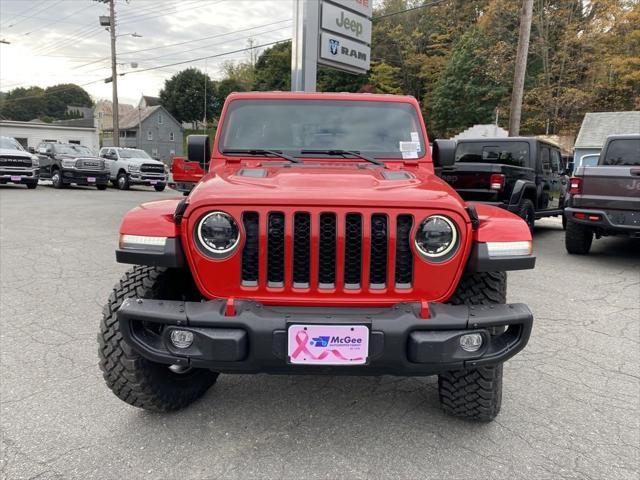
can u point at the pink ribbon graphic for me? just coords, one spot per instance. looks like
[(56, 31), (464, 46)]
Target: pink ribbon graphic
[(301, 340)]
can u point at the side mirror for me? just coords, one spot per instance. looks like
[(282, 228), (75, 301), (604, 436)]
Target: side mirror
[(443, 153), (199, 150), (32, 150)]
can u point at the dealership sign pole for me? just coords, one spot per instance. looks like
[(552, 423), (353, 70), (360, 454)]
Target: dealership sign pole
[(336, 33)]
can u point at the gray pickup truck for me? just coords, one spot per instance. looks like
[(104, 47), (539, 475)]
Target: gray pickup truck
[(605, 199)]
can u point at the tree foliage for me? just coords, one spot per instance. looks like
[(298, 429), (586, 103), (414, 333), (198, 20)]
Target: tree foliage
[(183, 95), (25, 104)]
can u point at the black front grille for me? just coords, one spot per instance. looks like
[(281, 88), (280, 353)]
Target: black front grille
[(250, 257), (90, 164), (327, 253), (275, 250), (352, 250), (14, 161), (301, 249), (379, 243), (151, 168), (404, 255)]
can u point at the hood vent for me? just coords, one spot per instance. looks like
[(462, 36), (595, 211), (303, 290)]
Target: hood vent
[(396, 175), (252, 172)]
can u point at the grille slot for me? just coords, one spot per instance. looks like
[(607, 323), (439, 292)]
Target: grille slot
[(327, 251), (15, 161), (151, 168), (250, 263), (378, 258), (404, 255), (301, 249), (275, 250), (352, 250)]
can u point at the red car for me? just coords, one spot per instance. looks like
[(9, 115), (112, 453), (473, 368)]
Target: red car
[(319, 242), (184, 174)]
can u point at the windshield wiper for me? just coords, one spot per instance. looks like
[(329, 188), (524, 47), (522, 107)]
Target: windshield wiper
[(254, 151), (344, 153)]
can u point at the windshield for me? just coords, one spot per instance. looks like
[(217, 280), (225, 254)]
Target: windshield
[(378, 129), (623, 152), (72, 150), (10, 144), (504, 153), (133, 153)]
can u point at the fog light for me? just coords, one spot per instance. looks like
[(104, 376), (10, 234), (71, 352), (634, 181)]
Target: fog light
[(181, 338), (471, 342)]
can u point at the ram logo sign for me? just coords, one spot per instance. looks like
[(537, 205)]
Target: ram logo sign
[(344, 51)]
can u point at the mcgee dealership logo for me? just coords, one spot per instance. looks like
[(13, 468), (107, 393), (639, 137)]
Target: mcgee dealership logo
[(335, 341)]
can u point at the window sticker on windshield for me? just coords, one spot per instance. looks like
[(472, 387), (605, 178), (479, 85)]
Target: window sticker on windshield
[(409, 146), (409, 155), (416, 138)]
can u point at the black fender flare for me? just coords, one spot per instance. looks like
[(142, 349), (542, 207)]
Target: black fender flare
[(519, 189)]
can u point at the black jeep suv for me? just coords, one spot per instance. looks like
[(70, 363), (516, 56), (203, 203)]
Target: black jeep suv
[(523, 175), (67, 163)]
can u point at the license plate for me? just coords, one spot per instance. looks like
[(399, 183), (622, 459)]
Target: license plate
[(91, 179), (328, 344), (15, 178), (153, 182)]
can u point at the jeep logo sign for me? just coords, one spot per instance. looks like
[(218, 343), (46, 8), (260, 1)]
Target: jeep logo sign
[(346, 23), (342, 50)]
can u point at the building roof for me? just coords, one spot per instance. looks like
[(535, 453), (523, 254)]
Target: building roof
[(135, 117), (148, 101), (597, 126), (106, 106)]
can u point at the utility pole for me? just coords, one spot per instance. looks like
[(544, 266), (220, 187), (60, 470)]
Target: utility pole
[(114, 74), (110, 24), (521, 68)]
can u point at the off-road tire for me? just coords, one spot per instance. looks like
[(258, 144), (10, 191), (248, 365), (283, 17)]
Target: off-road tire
[(56, 179), (475, 394), (527, 212), (32, 185), (134, 379), (578, 238), (159, 188), (122, 181), (101, 187)]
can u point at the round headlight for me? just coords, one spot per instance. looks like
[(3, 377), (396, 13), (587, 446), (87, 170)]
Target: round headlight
[(218, 233), (436, 237)]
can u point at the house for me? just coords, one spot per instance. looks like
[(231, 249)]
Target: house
[(152, 129), (597, 126), (103, 113), (483, 131), (147, 101), (30, 134)]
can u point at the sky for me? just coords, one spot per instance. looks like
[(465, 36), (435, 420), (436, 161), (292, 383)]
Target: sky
[(60, 41)]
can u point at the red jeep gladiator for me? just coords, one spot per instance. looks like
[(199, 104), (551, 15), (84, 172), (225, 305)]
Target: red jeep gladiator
[(184, 174), (319, 242)]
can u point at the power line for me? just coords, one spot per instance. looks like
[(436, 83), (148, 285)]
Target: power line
[(47, 6), (75, 12), (417, 7), (22, 12)]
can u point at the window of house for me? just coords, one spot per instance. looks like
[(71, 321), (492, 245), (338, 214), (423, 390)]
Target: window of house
[(154, 152), (172, 136), (172, 153), (160, 119), (149, 135)]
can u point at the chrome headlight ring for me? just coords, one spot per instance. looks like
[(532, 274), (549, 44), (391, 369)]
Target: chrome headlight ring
[(219, 228), (437, 239)]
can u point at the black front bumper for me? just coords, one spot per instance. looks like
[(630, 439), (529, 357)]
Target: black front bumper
[(254, 338), (81, 177)]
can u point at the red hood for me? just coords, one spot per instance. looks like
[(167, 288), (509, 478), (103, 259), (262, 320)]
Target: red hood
[(339, 184)]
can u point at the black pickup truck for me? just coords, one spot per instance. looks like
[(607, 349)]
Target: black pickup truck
[(605, 199), (523, 175), (67, 163)]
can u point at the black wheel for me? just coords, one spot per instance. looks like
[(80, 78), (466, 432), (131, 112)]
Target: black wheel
[(101, 187), (564, 222), (32, 185), (578, 238), (56, 179), (134, 379), (159, 188), (122, 182), (476, 393), (527, 212)]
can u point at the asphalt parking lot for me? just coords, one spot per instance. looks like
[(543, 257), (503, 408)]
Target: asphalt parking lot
[(570, 408)]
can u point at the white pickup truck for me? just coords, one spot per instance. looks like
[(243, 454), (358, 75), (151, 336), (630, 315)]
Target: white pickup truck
[(17, 165), (132, 166)]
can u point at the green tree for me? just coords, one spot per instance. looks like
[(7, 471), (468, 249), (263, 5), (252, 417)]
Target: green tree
[(25, 104), (273, 68), (183, 95), (465, 93)]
